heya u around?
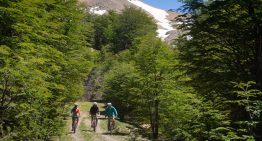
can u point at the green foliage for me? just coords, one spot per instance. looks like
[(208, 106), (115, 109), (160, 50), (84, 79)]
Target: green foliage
[(187, 91), (44, 57), (247, 97), (121, 87), (104, 27), (145, 83), (120, 31), (221, 47), (221, 44), (133, 23)]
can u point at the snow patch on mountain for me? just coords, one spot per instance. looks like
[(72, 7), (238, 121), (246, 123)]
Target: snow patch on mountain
[(97, 10), (159, 15)]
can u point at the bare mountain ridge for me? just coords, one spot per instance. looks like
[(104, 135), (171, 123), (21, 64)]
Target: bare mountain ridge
[(166, 26)]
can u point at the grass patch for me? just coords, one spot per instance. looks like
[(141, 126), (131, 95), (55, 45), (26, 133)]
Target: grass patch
[(66, 132), (84, 106), (122, 129), (103, 123), (84, 130)]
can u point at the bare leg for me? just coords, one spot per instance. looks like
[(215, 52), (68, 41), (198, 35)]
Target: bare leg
[(113, 123), (108, 124), (96, 121), (77, 120), (72, 123), (91, 121)]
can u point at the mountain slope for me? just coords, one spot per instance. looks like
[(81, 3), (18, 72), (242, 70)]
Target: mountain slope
[(161, 17), (166, 29)]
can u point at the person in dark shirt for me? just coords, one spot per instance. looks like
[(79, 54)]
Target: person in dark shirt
[(94, 112)]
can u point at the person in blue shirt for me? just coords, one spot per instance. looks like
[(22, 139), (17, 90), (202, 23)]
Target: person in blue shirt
[(111, 113)]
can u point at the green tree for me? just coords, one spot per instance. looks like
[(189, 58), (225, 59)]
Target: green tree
[(44, 58), (133, 23), (247, 97), (121, 86), (223, 46), (155, 63), (104, 27)]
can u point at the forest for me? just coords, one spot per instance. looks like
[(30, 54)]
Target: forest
[(205, 85)]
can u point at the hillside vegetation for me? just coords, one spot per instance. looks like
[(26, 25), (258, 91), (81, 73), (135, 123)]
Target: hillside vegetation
[(44, 56)]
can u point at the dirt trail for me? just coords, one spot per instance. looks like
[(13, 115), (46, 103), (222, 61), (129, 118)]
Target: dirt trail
[(100, 134), (84, 131), (77, 136)]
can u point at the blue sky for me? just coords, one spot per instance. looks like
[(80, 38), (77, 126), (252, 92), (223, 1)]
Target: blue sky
[(164, 4)]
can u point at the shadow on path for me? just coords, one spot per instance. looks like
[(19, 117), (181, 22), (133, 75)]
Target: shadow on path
[(87, 130), (116, 133)]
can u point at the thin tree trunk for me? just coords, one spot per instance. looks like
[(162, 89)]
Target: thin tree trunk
[(151, 120), (156, 122), (258, 43)]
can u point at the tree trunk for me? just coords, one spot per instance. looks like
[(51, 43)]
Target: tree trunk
[(258, 42), (152, 120), (156, 121)]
